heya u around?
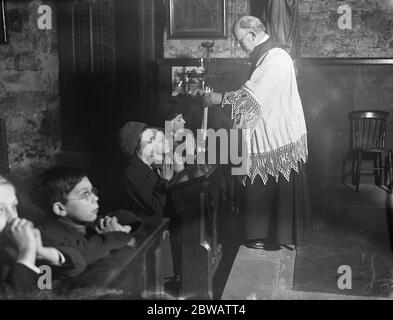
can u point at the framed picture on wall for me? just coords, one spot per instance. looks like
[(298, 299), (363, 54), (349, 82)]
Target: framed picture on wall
[(197, 19)]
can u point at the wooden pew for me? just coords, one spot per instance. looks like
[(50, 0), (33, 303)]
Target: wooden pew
[(134, 270), (205, 221)]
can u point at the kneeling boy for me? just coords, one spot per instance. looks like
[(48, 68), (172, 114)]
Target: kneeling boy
[(75, 231)]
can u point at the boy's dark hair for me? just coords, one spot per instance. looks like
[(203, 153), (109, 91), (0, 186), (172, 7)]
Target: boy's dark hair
[(169, 110), (58, 182)]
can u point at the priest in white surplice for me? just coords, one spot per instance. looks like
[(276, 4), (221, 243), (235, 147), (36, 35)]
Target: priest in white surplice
[(275, 206)]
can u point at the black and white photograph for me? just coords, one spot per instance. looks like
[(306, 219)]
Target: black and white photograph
[(211, 153)]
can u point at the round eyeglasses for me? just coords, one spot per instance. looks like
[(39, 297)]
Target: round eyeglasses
[(240, 41), (86, 195)]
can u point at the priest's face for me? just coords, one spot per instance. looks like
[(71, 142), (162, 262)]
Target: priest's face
[(245, 38)]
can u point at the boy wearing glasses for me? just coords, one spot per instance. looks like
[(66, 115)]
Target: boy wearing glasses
[(75, 229)]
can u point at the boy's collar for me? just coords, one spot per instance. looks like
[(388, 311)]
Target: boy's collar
[(80, 226)]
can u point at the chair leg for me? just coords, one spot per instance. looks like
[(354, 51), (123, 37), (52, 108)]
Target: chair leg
[(380, 170), (343, 167), (385, 170), (354, 164), (376, 170), (358, 168), (390, 171)]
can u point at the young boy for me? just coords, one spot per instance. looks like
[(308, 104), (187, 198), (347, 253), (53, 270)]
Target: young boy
[(75, 231), (20, 247), (144, 182)]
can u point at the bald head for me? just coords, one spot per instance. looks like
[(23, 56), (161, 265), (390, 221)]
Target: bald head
[(249, 23), (249, 31)]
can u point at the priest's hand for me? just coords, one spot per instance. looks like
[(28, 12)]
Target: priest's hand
[(211, 98)]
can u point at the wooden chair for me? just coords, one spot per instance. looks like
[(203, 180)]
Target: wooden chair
[(368, 132)]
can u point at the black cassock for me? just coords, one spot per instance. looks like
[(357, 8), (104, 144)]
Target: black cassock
[(278, 212)]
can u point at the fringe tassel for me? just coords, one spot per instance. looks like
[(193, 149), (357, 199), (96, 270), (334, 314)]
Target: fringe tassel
[(281, 160), (246, 110)]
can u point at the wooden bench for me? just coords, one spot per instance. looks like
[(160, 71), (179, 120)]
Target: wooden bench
[(134, 270), (206, 228)]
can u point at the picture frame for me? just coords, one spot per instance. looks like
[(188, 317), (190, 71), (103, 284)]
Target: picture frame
[(3, 23), (197, 19)]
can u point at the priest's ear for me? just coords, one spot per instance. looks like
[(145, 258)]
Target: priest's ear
[(253, 35)]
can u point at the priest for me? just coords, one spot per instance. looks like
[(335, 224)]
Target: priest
[(275, 203)]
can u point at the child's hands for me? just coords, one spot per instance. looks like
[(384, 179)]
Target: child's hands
[(42, 252), (132, 242), (49, 254), (178, 164), (110, 224), (167, 171), (38, 242), (21, 232)]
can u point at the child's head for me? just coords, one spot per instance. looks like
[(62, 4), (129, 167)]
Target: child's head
[(130, 137), (178, 123), (8, 202), (174, 112), (71, 194), (145, 141)]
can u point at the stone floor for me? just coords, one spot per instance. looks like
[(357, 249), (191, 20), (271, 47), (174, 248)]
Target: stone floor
[(346, 224)]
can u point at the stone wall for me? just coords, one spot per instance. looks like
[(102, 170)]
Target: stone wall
[(29, 98), (371, 34)]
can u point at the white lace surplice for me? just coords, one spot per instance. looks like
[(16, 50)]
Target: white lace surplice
[(269, 105)]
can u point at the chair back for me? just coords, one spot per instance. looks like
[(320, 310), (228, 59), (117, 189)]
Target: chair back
[(4, 165), (368, 129)]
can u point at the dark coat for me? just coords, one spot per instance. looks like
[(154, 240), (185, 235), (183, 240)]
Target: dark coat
[(144, 189), (16, 280), (81, 245)]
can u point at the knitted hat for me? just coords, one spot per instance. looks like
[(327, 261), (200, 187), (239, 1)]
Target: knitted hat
[(129, 136)]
